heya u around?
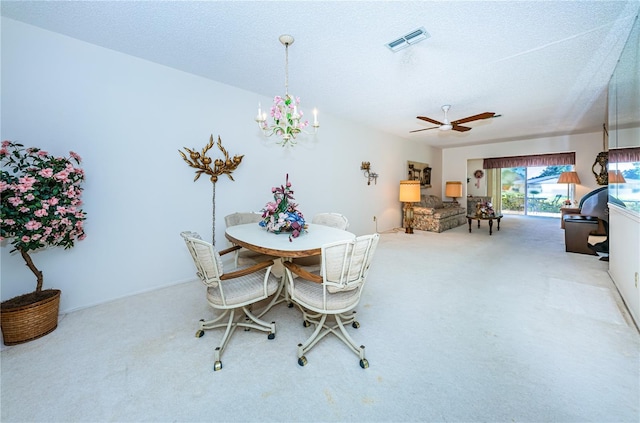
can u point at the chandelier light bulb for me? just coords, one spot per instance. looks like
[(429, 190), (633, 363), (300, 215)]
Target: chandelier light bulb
[(259, 118)]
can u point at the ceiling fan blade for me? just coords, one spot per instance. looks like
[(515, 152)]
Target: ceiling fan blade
[(435, 122), (424, 129), (485, 115), (460, 128)]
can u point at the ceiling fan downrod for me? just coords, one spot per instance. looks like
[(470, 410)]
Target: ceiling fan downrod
[(446, 126)]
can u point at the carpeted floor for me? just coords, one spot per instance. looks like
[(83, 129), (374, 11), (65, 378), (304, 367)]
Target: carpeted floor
[(458, 327)]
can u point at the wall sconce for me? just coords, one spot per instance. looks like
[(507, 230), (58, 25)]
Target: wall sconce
[(409, 194), (366, 167), (453, 189)]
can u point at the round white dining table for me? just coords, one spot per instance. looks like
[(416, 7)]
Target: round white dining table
[(256, 238)]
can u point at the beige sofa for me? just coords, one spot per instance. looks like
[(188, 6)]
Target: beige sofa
[(431, 214)]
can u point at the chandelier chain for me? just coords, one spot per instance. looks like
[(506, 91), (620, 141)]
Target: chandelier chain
[(286, 68)]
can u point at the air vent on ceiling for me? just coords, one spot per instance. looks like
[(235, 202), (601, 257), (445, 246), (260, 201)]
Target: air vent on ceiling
[(409, 39)]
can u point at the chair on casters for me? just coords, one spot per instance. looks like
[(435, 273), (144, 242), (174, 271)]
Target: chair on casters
[(242, 255), (231, 292), (334, 293), (333, 220)]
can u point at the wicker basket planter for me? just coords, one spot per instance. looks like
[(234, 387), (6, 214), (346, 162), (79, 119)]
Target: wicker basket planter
[(23, 323)]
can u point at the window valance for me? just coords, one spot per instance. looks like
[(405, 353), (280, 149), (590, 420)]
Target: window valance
[(624, 155), (556, 159)]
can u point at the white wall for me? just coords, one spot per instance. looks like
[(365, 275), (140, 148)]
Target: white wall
[(624, 256), (128, 118), (624, 138), (481, 189)]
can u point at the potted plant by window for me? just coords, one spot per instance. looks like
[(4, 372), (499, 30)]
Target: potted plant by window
[(40, 198)]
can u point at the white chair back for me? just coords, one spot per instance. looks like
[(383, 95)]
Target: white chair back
[(207, 260), (334, 220), (240, 218), (345, 264)]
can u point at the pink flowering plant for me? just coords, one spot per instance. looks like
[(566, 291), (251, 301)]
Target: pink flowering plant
[(40, 196), (282, 214)]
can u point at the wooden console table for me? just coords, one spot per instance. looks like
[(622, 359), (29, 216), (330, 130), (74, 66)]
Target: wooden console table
[(489, 218)]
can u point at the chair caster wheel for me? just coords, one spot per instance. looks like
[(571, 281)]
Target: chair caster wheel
[(364, 363), (199, 333), (271, 336), (306, 324), (355, 325), (302, 361), (217, 366)]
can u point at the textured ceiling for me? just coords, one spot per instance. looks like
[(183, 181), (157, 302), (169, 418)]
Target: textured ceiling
[(543, 66)]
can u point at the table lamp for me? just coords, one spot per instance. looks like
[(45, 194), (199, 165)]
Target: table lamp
[(568, 178), (453, 189), (409, 194), (615, 177)]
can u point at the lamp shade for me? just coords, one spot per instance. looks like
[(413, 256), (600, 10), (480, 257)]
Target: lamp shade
[(453, 189), (569, 178), (409, 191), (615, 177)]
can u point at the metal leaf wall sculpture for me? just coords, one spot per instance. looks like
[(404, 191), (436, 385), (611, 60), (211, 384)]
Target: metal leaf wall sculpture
[(201, 162)]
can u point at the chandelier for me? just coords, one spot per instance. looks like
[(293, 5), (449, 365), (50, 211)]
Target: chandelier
[(286, 116)]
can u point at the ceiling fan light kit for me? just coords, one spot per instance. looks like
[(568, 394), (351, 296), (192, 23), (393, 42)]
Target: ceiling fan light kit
[(455, 125)]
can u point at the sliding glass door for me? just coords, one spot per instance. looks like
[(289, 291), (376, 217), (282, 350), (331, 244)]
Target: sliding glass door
[(533, 190)]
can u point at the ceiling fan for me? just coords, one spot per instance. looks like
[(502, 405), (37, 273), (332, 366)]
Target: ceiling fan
[(454, 125)]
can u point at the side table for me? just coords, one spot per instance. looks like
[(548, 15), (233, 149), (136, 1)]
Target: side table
[(489, 218)]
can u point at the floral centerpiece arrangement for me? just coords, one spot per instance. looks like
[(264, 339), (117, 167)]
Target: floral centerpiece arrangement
[(485, 209), (282, 215), (40, 197)]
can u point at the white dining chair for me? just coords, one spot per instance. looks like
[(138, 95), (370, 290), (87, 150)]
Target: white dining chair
[(232, 292), (328, 300), (242, 255), (333, 220)]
